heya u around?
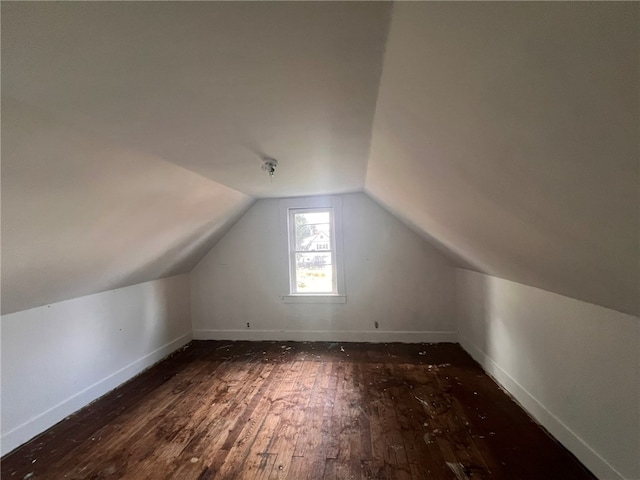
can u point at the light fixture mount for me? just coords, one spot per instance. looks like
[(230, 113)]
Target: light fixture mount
[(269, 165)]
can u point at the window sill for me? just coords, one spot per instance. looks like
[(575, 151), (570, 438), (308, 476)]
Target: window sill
[(314, 298)]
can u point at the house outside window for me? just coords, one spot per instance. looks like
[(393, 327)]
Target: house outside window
[(314, 249), (311, 260)]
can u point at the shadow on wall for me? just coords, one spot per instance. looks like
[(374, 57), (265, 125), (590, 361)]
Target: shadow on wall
[(501, 339), (155, 306), (572, 365), (106, 215), (186, 254)]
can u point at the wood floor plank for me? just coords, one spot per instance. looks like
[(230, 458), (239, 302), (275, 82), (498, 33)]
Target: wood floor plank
[(129, 441), (297, 470), (329, 471), (227, 392), (291, 418), (259, 460), (347, 413), (247, 428), (285, 410), (182, 424), (412, 421), (307, 440), (205, 445)]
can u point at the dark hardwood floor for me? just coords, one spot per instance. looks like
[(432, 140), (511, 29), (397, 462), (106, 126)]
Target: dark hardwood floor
[(276, 410)]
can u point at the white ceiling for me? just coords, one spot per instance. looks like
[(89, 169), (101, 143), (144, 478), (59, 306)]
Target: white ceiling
[(210, 86), (507, 133)]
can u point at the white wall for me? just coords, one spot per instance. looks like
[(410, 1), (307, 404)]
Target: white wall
[(575, 366), (59, 357), (392, 276)]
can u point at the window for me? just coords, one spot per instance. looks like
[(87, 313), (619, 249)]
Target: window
[(314, 254), (311, 263)]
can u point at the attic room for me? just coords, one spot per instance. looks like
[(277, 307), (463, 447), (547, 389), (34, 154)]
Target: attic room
[(378, 240)]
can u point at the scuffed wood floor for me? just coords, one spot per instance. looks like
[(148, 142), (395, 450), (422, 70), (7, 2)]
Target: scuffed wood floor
[(276, 410)]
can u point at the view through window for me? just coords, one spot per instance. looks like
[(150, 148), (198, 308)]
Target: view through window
[(312, 251)]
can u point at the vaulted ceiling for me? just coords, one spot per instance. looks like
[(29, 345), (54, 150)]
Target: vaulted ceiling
[(505, 133), (509, 132)]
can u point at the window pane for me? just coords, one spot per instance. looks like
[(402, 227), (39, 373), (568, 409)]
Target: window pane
[(313, 231), (314, 273)]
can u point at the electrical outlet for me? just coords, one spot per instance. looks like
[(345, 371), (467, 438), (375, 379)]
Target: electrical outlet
[(248, 325), (376, 324)]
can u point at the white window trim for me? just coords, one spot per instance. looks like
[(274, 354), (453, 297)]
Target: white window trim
[(313, 202), (315, 298), (294, 251)]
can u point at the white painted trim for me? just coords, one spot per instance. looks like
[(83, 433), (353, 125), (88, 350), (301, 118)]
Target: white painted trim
[(324, 336), (587, 455), (314, 298), (323, 201), (41, 422)]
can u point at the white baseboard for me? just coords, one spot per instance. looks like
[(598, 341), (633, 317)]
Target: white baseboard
[(327, 336), (41, 422), (589, 457)]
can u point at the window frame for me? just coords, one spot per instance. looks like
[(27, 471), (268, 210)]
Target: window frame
[(293, 251), (290, 206)]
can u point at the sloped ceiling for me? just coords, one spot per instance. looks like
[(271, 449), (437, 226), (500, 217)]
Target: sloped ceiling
[(132, 131), (507, 133), (81, 215)]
